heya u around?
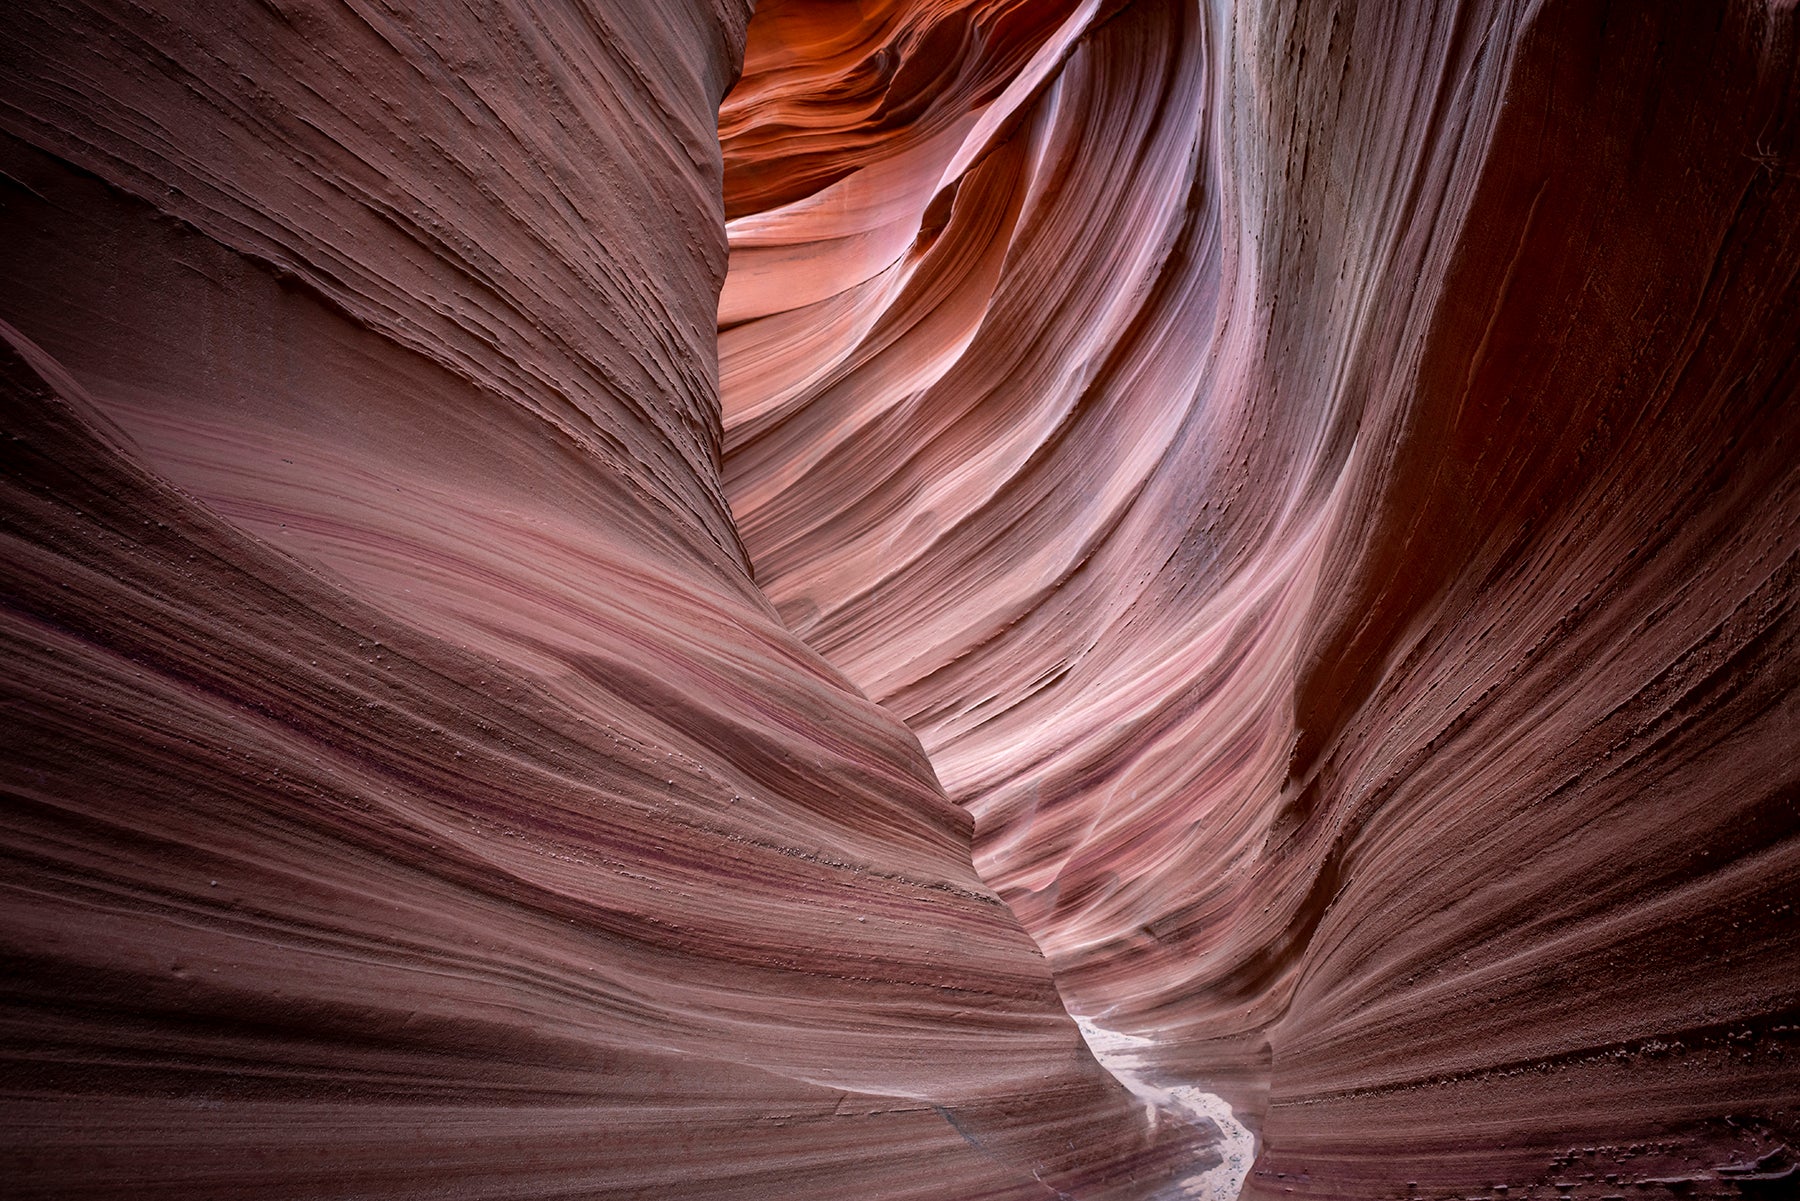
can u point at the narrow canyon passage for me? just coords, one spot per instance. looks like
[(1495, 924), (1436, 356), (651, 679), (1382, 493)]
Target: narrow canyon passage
[(1285, 463), (640, 599)]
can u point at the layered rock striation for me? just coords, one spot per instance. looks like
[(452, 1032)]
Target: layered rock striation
[(564, 640), (1320, 481), (407, 791)]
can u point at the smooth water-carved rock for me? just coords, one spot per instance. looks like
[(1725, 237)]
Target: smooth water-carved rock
[(1315, 482), (1320, 481), (408, 793)]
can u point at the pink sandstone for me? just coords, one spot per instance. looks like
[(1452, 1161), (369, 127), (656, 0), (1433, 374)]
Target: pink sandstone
[(1320, 480), (621, 599)]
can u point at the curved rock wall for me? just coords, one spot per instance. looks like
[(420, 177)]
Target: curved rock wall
[(407, 791), (1319, 479)]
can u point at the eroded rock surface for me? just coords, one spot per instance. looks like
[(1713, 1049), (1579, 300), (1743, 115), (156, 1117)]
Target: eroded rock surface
[(1314, 481), (407, 791), (1320, 481)]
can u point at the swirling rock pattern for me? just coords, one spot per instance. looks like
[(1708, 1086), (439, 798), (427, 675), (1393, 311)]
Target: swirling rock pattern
[(1320, 480), (407, 791)]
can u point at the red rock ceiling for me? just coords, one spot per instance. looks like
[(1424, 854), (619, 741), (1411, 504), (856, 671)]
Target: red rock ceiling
[(1308, 488)]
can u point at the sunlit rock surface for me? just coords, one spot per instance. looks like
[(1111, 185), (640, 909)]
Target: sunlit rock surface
[(407, 791), (1320, 479)]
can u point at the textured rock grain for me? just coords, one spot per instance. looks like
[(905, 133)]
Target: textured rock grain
[(1319, 479), (407, 791)]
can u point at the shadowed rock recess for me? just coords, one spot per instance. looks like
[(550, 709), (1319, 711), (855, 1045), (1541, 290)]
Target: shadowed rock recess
[(576, 628)]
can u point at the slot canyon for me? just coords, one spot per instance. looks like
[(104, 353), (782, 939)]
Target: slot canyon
[(909, 600)]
